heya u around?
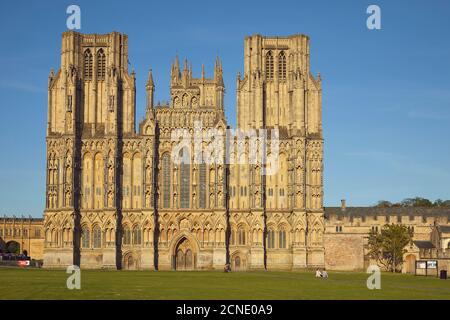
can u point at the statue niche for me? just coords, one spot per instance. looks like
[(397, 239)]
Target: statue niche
[(111, 171)]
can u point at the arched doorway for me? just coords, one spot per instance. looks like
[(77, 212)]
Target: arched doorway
[(13, 247), (184, 257), (410, 264), (238, 263), (130, 262)]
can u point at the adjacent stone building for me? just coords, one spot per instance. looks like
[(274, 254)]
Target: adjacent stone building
[(19, 234), (347, 232)]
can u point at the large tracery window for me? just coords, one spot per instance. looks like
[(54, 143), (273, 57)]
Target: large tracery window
[(269, 65), (166, 180), (97, 237), (126, 236), (282, 66), (184, 181), (101, 65), (88, 65), (137, 235), (202, 195), (241, 236), (85, 237), (233, 236)]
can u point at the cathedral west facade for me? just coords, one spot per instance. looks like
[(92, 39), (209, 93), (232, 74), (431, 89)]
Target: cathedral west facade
[(117, 198)]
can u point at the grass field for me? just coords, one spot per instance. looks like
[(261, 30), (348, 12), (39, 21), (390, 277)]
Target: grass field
[(51, 284)]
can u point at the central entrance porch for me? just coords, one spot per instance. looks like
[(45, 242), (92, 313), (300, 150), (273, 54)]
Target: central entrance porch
[(184, 258)]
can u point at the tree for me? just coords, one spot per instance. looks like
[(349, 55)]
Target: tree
[(13, 247), (417, 202), (388, 246), (384, 204), (414, 202)]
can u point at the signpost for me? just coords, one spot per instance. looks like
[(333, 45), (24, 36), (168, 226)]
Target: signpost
[(422, 267)]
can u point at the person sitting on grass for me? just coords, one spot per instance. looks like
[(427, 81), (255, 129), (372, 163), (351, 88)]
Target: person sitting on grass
[(324, 274), (318, 273)]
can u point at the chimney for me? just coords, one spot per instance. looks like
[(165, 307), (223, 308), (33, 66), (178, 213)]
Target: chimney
[(343, 205)]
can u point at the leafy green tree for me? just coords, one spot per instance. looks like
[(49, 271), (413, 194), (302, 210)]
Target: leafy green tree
[(417, 202), (414, 202), (384, 204), (388, 246), (13, 247)]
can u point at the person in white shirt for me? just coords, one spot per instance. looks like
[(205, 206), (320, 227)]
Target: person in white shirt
[(324, 274), (318, 273)]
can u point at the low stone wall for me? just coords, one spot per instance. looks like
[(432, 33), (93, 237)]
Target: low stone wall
[(344, 251)]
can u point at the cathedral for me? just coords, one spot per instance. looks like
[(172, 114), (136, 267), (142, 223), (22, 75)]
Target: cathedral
[(118, 196)]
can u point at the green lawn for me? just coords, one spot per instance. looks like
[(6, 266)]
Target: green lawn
[(51, 284)]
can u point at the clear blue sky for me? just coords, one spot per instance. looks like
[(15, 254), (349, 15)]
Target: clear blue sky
[(386, 93)]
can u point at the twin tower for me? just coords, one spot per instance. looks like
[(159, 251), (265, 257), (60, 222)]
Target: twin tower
[(115, 197)]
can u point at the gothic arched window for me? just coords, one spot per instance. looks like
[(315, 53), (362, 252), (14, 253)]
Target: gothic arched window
[(136, 235), (184, 181), (101, 65), (282, 66), (87, 65), (166, 180), (85, 237), (271, 239), (202, 195), (269, 65), (126, 236), (282, 239), (241, 236), (97, 237)]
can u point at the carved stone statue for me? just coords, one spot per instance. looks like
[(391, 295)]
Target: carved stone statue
[(212, 177), (299, 173), (184, 224), (257, 199), (110, 199), (257, 175), (220, 174), (219, 199), (148, 175), (111, 171), (299, 199), (185, 101), (68, 198), (194, 102), (175, 203), (211, 200), (176, 102), (147, 199), (69, 175)]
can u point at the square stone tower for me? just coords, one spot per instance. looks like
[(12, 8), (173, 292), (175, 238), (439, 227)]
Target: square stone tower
[(277, 91), (91, 119)]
